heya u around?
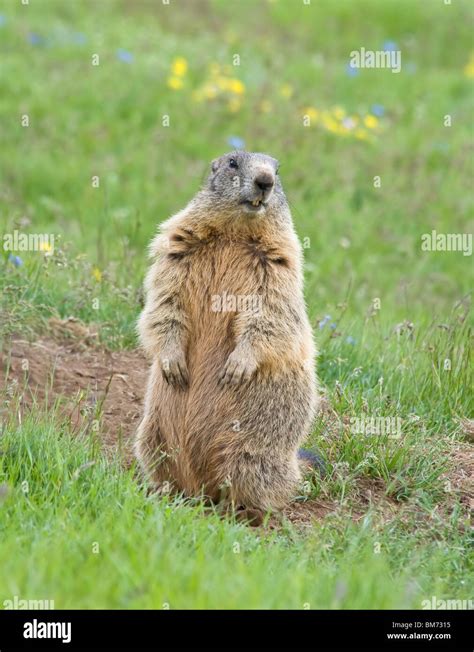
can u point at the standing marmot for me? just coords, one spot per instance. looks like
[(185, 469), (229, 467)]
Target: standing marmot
[(232, 388)]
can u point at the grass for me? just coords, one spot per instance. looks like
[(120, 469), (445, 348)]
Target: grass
[(396, 342), (94, 540)]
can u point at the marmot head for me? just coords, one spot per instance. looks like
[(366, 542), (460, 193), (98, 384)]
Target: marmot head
[(246, 183)]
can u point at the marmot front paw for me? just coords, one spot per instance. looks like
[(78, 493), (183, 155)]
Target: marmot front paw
[(174, 368), (238, 369)]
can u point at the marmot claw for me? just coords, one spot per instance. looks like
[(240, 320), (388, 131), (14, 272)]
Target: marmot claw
[(175, 371), (237, 369)]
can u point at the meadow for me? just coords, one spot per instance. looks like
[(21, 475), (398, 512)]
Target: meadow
[(110, 113)]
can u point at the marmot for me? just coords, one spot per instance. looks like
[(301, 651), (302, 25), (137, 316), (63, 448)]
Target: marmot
[(232, 388)]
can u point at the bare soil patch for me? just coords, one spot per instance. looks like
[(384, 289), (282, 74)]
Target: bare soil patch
[(89, 384), (86, 381), (82, 379)]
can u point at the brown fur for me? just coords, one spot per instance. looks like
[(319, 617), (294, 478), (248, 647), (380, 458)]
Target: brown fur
[(231, 395)]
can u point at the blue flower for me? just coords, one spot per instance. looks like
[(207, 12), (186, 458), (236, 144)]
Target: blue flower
[(377, 109), (79, 38), (350, 340), (35, 39), (124, 55), (324, 321), (236, 142), (351, 71), (441, 147), (390, 46), (333, 326), (15, 260)]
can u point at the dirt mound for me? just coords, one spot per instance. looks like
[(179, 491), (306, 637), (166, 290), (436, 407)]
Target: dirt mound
[(90, 385), (102, 390)]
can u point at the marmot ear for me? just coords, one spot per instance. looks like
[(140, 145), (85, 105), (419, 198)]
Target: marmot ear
[(215, 164)]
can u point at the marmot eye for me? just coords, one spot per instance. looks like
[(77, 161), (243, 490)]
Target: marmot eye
[(233, 163)]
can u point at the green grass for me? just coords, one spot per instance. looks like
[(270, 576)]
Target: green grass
[(361, 243), (94, 540)]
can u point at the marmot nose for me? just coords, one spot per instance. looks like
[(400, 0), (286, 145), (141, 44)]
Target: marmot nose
[(264, 181)]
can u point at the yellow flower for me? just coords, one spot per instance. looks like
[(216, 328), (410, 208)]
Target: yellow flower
[(371, 122), (335, 127), (339, 113), (97, 274), (179, 67), (210, 91), (469, 67), (361, 134), (329, 122), (222, 83), (45, 246), (286, 91), (175, 83), (311, 113), (236, 86)]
